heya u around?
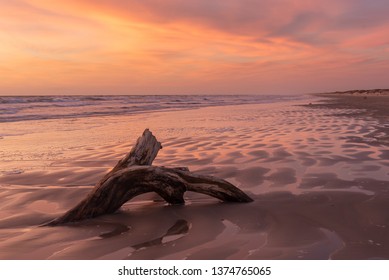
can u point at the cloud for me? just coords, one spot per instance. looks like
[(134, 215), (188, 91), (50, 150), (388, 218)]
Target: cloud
[(40, 31), (199, 44), (311, 22)]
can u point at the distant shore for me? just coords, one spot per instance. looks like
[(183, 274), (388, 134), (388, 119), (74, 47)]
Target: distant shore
[(372, 103), (375, 101), (358, 92)]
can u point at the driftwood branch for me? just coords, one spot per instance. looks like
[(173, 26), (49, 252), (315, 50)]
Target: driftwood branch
[(144, 152), (133, 175)]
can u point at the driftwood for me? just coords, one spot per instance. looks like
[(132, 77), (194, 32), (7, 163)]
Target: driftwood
[(133, 175)]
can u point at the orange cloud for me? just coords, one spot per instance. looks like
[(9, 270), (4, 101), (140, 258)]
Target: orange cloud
[(172, 46)]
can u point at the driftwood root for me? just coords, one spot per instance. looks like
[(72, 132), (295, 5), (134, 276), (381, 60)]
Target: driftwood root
[(133, 175)]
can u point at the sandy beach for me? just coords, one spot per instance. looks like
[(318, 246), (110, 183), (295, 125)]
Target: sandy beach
[(317, 169)]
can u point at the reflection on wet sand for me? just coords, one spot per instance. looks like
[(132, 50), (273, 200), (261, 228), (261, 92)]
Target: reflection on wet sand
[(317, 225)]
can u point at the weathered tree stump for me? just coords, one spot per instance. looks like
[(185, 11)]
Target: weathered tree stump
[(133, 175)]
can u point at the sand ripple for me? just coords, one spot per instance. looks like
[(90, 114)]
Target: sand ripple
[(319, 182)]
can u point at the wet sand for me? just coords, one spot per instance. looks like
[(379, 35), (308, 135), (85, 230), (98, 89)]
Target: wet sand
[(371, 104), (318, 174)]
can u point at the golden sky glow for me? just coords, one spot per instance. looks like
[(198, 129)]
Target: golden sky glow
[(192, 47)]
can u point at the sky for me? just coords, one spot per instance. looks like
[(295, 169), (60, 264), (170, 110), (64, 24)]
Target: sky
[(192, 46)]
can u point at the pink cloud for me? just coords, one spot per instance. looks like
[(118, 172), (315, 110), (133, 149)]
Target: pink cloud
[(217, 46)]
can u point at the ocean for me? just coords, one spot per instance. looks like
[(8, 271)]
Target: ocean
[(24, 108)]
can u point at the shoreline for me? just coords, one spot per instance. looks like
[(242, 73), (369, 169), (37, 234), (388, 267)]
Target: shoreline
[(40, 108), (357, 92), (318, 180)]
